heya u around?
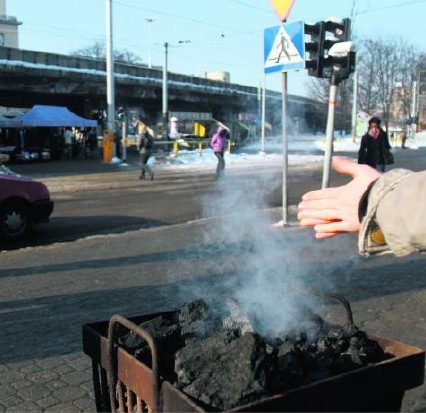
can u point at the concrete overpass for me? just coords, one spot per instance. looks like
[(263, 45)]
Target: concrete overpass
[(32, 77)]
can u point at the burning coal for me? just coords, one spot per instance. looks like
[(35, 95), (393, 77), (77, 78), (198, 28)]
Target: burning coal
[(223, 362)]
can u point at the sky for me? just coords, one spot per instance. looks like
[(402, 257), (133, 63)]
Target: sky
[(204, 36)]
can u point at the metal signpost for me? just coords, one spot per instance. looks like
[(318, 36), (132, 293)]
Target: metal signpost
[(284, 50), (330, 56)]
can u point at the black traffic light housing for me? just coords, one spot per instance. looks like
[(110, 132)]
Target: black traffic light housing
[(340, 28), (315, 47), (341, 65), (323, 36)]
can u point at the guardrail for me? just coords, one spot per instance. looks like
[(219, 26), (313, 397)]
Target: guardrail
[(177, 145)]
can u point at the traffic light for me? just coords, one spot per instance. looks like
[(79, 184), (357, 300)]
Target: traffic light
[(340, 29), (339, 57), (329, 48), (315, 47)]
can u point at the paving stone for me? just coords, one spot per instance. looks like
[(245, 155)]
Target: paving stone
[(85, 404), (63, 408), (81, 363), (11, 400), (34, 392), (9, 396), (75, 377), (69, 393), (87, 385), (43, 376), (56, 384), (10, 376), (25, 407), (50, 362), (63, 368), (30, 369), (47, 402), (20, 384)]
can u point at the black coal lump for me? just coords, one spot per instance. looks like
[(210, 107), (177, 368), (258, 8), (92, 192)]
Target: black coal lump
[(225, 370), (196, 321)]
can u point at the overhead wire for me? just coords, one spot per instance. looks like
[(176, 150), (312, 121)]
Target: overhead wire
[(392, 6)]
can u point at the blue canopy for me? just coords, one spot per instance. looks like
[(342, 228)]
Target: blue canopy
[(54, 116)]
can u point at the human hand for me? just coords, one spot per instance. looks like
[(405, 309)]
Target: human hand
[(331, 211)]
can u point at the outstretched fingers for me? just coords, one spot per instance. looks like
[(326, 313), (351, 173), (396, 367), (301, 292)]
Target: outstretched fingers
[(326, 193)]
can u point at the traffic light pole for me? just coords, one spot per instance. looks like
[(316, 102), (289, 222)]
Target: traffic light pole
[(328, 153)]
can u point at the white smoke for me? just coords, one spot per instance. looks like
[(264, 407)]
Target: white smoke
[(257, 264)]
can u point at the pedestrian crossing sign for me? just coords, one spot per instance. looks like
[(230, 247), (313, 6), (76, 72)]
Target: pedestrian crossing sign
[(284, 47)]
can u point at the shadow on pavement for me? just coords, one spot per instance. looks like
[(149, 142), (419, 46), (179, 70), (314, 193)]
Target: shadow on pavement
[(69, 229)]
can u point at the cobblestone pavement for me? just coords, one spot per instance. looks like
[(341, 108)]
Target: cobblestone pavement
[(49, 292)]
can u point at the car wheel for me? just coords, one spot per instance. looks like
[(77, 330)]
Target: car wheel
[(15, 220)]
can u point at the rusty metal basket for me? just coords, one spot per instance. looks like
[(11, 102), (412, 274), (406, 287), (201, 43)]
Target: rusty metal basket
[(123, 383)]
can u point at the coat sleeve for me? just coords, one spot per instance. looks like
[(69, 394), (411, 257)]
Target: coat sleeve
[(395, 219), (361, 151), (213, 140)]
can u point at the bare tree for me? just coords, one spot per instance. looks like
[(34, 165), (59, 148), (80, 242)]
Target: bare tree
[(384, 65), (98, 51), (318, 89)]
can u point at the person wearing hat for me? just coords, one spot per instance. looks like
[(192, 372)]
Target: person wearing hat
[(375, 148)]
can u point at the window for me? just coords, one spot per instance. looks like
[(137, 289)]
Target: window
[(1, 39)]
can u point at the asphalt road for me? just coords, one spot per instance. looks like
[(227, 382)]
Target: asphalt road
[(92, 198)]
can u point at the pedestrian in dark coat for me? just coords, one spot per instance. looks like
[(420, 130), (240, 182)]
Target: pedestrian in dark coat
[(145, 146), (375, 148)]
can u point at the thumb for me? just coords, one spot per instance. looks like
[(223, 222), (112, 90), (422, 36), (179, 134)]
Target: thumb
[(345, 166)]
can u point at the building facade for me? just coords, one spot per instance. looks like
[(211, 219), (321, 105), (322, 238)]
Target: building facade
[(9, 35)]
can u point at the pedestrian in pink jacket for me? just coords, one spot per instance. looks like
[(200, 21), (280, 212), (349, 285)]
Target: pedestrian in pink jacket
[(218, 144)]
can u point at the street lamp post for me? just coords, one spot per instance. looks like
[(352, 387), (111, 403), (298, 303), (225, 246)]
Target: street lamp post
[(165, 93), (110, 74), (149, 21)]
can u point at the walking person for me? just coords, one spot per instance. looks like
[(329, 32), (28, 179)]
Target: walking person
[(145, 146), (218, 144), (375, 148)]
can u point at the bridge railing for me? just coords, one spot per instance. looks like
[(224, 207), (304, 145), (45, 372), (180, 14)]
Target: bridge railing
[(79, 62)]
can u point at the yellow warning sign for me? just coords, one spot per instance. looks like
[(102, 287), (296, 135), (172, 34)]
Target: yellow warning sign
[(282, 8)]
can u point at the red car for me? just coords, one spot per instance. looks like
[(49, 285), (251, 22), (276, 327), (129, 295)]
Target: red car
[(23, 204)]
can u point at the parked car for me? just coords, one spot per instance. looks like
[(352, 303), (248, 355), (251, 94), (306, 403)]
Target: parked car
[(23, 204)]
